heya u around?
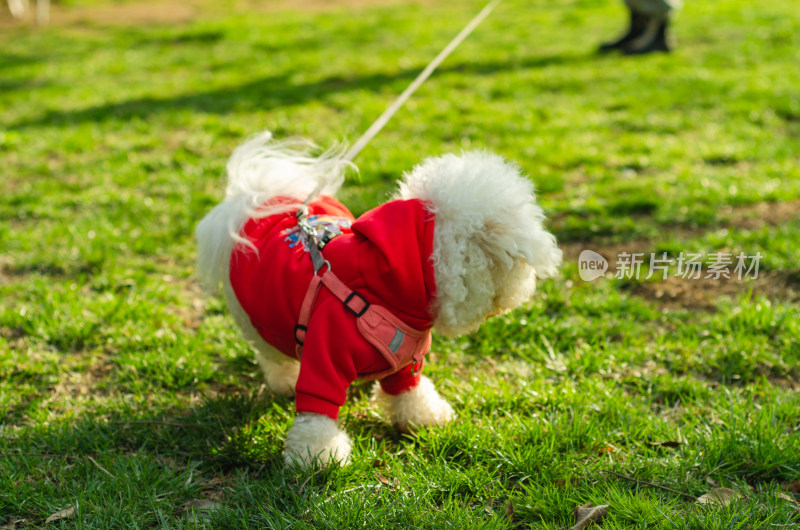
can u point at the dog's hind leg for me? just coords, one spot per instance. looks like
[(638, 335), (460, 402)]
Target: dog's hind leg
[(280, 371), (420, 406)]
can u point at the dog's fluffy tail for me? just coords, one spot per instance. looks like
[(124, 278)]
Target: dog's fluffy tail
[(259, 170)]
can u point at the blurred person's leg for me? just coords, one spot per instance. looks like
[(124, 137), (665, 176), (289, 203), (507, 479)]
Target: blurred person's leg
[(647, 31), (18, 8), (654, 36), (636, 27)]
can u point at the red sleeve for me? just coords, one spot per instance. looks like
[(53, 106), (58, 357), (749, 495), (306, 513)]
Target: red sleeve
[(400, 382), (327, 368)]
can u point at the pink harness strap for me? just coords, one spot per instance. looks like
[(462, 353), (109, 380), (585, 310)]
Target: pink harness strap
[(398, 343)]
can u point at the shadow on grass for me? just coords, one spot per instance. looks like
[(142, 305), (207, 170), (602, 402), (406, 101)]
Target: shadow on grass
[(12, 60), (21, 82), (274, 91), (54, 268), (224, 431), (192, 37)]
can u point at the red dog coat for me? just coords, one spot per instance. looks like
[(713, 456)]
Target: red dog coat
[(384, 256)]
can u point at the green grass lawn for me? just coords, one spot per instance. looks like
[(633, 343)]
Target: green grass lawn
[(126, 393)]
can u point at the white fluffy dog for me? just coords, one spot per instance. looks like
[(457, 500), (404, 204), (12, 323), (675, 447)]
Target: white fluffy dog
[(461, 241)]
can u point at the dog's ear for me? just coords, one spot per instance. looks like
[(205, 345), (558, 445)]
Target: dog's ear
[(498, 242), (510, 274), (519, 239)]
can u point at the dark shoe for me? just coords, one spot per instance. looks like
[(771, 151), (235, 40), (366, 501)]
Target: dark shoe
[(637, 26), (652, 39)]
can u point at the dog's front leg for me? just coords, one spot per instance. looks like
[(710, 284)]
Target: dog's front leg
[(316, 437), (419, 406)]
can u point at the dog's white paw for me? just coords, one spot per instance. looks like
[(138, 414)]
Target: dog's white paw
[(314, 437), (419, 407)]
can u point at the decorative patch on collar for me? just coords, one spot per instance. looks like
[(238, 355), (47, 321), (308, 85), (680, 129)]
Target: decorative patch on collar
[(326, 227)]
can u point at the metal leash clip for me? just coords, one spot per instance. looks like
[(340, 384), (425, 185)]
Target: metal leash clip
[(309, 236)]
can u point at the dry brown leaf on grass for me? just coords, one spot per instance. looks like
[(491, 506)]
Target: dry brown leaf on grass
[(722, 496), (788, 498), (563, 483), (202, 505), (216, 481), (198, 510), (66, 513), (793, 487), (587, 514)]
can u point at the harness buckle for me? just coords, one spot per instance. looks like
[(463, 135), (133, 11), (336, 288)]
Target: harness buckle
[(416, 368), (319, 264), (300, 337), (363, 300)]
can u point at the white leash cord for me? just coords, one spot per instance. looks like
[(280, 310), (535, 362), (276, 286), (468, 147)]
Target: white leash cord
[(378, 124), (390, 111)]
